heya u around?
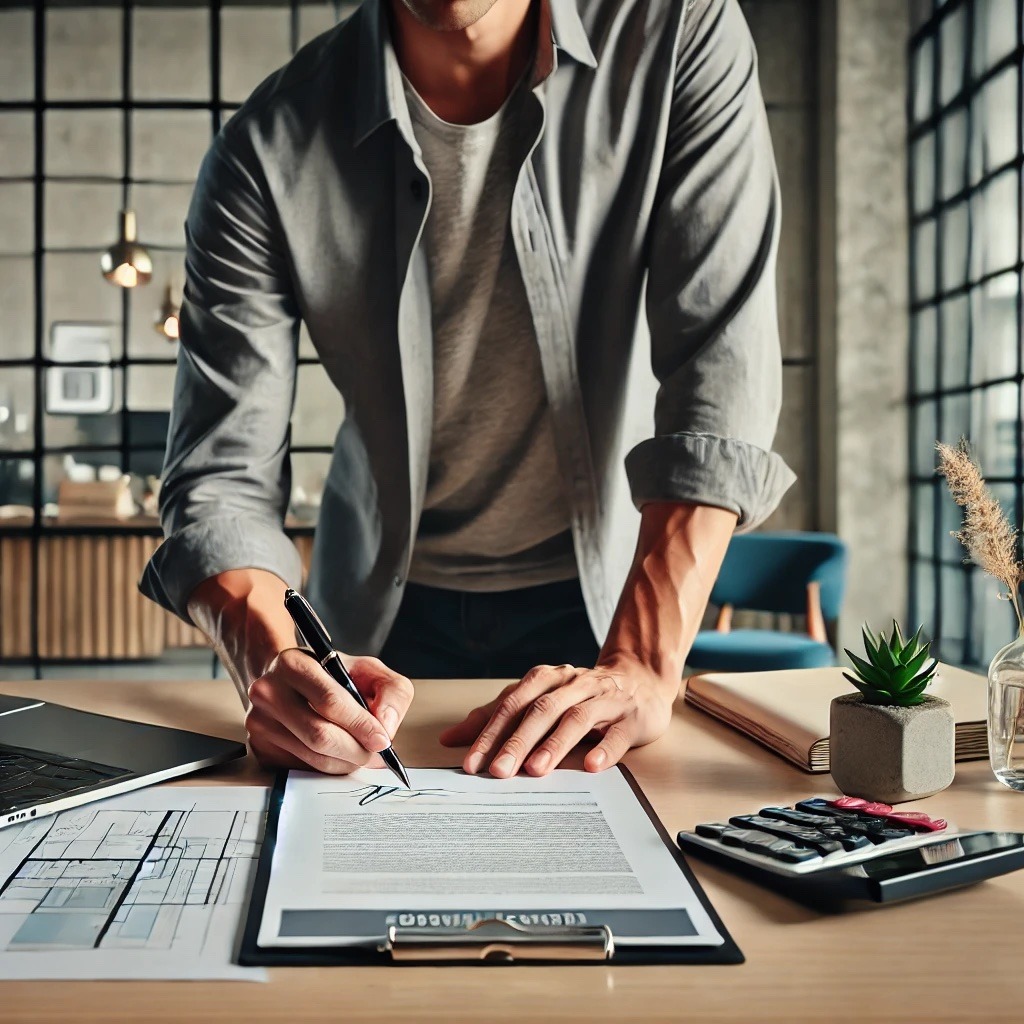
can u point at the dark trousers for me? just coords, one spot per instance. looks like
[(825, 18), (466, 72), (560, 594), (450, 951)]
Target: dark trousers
[(454, 634)]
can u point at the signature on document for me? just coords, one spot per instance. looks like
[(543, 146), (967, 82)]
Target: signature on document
[(393, 794)]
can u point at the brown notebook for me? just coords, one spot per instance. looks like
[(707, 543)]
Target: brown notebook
[(788, 712)]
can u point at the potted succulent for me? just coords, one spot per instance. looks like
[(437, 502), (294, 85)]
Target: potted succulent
[(891, 741)]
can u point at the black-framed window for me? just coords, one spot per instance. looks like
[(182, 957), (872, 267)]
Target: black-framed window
[(106, 106), (965, 161)]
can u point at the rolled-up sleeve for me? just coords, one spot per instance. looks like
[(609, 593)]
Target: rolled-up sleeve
[(711, 302), (226, 479)]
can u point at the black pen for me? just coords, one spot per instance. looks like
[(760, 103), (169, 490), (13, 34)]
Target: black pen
[(312, 631)]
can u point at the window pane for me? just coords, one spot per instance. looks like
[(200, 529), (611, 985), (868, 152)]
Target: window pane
[(994, 124), (169, 145), (17, 408), (953, 318), (83, 53), (17, 226), (956, 418), (254, 42), (923, 158), (69, 391), (994, 331), (953, 133), (78, 466), (309, 471), (952, 33), (150, 388), (924, 334), (146, 304), (924, 260), (16, 477), (17, 308), (171, 58), (314, 19), (926, 433), (995, 225), (953, 627), (993, 619), (923, 67), (17, 140), (319, 409), (995, 32), (17, 59), (82, 215), (923, 521), (923, 612), (84, 143), (74, 290), (954, 228), (161, 211), (994, 435)]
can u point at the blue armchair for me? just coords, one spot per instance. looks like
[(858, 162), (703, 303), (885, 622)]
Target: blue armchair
[(793, 573)]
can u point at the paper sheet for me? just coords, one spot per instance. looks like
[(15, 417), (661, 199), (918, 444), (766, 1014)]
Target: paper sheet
[(152, 884), (355, 854)]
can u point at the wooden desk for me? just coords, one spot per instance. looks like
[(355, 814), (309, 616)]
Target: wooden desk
[(951, 958)]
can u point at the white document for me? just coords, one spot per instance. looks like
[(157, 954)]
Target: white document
[(355, 854), (152, 884)]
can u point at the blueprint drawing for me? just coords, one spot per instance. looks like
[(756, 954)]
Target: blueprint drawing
[(150, 884)]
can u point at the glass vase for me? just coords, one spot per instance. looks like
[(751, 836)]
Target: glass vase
[(1006, 715)]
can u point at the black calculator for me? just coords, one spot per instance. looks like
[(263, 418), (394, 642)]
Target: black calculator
[(829, 850)]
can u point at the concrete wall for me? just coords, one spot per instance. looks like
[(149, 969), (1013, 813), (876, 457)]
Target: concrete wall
[(871, 320)]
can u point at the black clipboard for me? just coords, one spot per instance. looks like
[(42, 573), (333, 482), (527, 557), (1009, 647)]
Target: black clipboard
[(575, 945)]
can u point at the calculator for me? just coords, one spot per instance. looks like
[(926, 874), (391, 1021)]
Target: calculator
[(827, 851)]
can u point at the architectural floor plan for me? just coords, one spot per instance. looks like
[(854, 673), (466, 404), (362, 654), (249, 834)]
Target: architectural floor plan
[(151, 884)]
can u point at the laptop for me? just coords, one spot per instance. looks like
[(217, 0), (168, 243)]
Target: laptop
[(54, 757)]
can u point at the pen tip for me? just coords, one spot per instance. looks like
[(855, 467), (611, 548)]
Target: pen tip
[(404, 776)]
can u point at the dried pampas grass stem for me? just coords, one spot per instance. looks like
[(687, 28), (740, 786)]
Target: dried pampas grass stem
[(990, 540)]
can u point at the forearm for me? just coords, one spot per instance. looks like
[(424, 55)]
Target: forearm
[(242, 613), (678, 555)]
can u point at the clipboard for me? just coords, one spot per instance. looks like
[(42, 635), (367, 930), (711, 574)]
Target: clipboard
[(491, 941)]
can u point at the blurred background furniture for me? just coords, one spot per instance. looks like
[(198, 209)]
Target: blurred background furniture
[(87, 606), (783, 573)]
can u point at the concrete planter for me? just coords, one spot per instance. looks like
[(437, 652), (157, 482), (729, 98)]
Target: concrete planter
[(891, 754)]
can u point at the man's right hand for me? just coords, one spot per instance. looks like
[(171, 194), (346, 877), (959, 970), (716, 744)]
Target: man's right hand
[(299, 716)]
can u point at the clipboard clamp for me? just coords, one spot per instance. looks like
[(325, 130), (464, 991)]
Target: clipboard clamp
[(494, 939)]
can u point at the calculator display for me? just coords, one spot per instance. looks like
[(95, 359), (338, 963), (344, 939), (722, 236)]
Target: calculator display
[(956, 849)]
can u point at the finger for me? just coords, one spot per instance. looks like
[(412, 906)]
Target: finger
[(510, 708), (538, 720), (472, 725), (270, 755), (573, 726), (618, 739), (329, 699), (389, 693), (275, 700), (265, 729), (469, 728)]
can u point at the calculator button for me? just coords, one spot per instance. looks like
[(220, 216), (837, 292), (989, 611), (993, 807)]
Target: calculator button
[(770, 846), (712, 830), (797, 817), (827, 839)]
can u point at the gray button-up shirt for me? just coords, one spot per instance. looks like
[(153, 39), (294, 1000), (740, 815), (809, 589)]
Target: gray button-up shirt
[(645, 220)]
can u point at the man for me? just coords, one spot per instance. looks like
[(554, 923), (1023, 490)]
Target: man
[(480, 209)]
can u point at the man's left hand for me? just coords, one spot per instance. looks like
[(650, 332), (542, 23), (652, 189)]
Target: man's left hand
[(533, 724)]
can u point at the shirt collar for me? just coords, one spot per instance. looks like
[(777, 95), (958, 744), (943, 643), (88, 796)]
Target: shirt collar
[(379, 78)]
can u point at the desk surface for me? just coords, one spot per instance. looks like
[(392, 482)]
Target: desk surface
[(951, 958)]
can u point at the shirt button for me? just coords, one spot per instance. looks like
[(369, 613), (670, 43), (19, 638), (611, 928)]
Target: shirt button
[(397, 581), (416, 188)]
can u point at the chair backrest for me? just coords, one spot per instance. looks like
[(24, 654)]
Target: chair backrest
[(769, 572)]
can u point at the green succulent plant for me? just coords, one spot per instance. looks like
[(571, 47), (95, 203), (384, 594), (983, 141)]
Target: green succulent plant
[(897, 670)]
